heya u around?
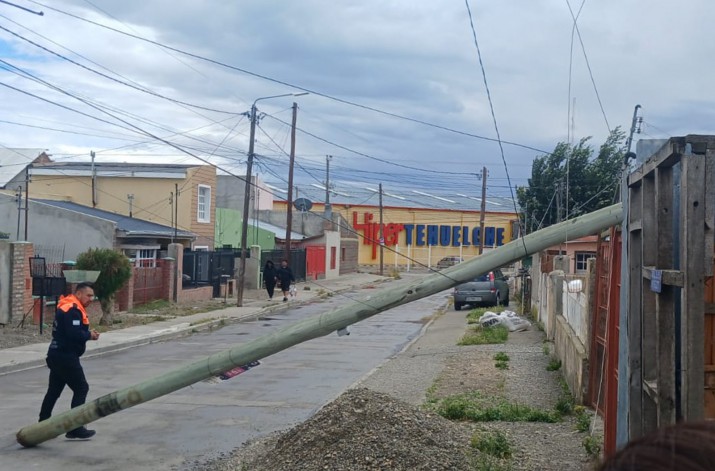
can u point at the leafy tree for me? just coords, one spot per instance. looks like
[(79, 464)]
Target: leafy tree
[(592, 181), (115, 270)]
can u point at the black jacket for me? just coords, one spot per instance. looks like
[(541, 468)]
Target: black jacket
[(269, 275), (70, 330), (285, 276)]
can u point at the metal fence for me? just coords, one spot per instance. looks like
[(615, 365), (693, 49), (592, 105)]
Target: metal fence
[(203, 268), (296, 262)]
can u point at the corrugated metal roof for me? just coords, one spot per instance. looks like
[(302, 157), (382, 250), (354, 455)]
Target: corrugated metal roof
[(14, 161), (367, 194), (280, 232), (132, 226), (114, 169)]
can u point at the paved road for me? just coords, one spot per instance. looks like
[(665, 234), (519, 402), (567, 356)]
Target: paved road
[(207, 419)]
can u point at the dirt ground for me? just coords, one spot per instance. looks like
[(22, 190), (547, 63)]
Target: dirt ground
[(367, 430), (25, 333)]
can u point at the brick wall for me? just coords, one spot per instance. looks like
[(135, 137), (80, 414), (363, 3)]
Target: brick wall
[(21, 281), (349, 262), (203, 293)]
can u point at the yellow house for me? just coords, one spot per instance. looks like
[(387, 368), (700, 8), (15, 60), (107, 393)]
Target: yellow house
[(422, 236), (180, 196)]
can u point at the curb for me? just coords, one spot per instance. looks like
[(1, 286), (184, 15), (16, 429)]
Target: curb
[(176, 333)]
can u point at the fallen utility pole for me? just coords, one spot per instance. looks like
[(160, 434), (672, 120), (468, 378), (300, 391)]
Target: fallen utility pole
[(317, 326)]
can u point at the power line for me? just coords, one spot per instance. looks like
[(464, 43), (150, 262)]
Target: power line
[(494, 119), (588, 65), (288, 84)]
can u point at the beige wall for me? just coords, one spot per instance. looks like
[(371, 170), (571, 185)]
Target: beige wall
[(151, 197), (397, 252)]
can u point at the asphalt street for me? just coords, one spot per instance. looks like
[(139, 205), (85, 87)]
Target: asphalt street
[(208, 418)]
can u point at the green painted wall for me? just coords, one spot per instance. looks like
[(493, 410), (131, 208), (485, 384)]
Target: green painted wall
[(228, 231)]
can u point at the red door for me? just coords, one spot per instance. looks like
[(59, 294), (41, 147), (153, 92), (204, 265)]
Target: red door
[(315, 261)]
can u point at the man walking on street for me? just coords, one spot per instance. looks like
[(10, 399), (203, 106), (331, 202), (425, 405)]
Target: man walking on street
[(70, 333), (285, 276)]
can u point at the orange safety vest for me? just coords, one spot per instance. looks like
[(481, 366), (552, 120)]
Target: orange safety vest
[(68, 302)]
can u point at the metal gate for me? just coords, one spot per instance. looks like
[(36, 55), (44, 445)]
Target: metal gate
[(202, 267), (603, 358), (315, 261)]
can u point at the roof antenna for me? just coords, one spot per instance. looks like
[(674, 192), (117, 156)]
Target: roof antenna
[(39, 13)]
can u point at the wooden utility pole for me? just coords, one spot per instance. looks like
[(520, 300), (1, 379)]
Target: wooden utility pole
[(328, 212), (289, 209), (483, 210), (176, 210), (314, 327), (18, 195), (27, 197), (382, 238)]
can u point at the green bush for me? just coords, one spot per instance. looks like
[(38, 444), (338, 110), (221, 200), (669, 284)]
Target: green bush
[(554, 365), (501, 356), (478, 408), (115, 270)]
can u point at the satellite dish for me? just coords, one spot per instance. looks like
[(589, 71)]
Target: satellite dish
[(303, 204)]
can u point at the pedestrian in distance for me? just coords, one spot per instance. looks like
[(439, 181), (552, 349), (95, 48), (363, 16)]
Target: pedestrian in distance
[(70, 333), (285, 277), (269, 277)]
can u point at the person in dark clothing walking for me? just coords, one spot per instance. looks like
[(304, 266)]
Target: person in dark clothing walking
[(70, 333), (269, 278), (285, 276)]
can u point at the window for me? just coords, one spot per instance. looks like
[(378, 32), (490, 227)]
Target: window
[(343, 254), (203, 213), (141, 258), (582, 261)]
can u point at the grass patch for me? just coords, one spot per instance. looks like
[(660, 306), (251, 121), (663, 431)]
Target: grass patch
[(484, 462), (481, 336), (554, 365), (501, 356), (592, 445), (583, 419), (502, 365), (494, 443), (480, 408), (564, 405), (156, 305), (540, 326), (474, 315), (546, 348)]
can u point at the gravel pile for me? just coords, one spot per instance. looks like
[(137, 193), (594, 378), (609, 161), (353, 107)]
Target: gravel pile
[(361, 430)]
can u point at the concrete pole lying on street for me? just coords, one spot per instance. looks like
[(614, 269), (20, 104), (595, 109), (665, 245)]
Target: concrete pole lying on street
[(317, 326)]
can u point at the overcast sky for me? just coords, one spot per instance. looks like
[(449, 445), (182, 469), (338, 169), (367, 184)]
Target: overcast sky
[(408, 58)]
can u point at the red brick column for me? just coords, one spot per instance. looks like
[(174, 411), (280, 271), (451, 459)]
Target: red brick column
[(21, 285), (124, 298), (167, 278)]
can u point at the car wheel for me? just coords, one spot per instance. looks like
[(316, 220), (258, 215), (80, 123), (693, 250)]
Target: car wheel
[(457, 306)]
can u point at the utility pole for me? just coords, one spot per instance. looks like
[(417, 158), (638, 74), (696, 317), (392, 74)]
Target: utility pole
[(171, 204), (558, 202), (246, 202), (130, 197), (18, 196), (289, 208), (247, 195), (635, 128), (94, 182), (382, 237), (176, 210), (27, 197), (483, 210), (328, 209)]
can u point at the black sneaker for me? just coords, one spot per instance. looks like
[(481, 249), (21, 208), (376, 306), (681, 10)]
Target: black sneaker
[(80, 434), (285, 299)]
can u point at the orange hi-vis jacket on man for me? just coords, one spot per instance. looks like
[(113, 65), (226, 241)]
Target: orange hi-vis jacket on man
[(70, 331)]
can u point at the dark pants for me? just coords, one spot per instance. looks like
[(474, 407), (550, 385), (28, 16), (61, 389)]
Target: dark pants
[(64, 370), (270, 287)]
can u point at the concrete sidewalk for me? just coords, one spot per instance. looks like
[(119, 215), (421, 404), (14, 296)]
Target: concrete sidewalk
[(256, 303)]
